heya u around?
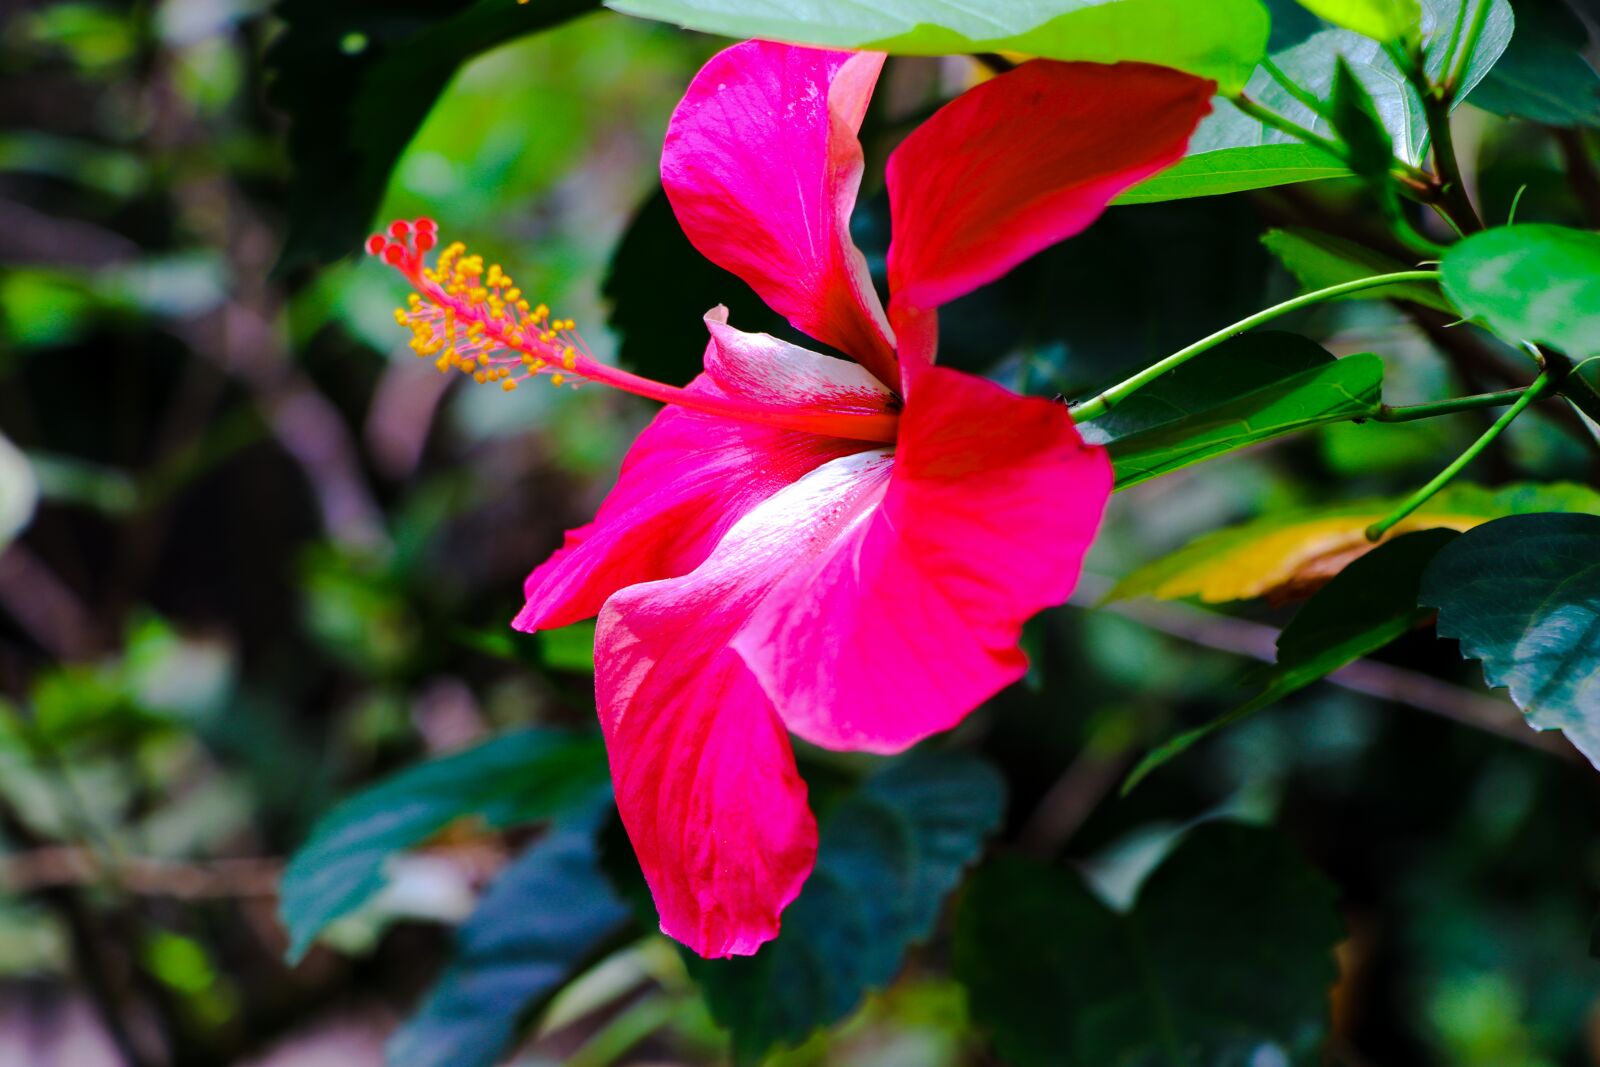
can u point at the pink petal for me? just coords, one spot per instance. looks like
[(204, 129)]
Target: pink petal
[(911, 618), (691, 476), (1021, 161), (704, 775), (762, 165)]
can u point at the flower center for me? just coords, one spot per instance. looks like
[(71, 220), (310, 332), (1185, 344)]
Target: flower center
[(473, 319)]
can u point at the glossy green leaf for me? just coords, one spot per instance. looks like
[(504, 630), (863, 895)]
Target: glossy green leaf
[(888, 856), (544, 917), (1370, 603), (1249, 390), (1262, 555), (1531, 282), (1522, 594), (1543, 76), (1355, 119), (356, 79), (19, 492), (1231, 152), (1319, 260), (1382, 20), (1061, 980), (1220, 39), (515, 778)]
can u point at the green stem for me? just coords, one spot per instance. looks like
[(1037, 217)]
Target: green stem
[(1103, 402), (1413, 412), (1268, 117), (1540, 386), (1292, 87), (1469, 45)]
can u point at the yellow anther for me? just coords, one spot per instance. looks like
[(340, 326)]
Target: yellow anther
[(480, 377), (400, 317), (556, 379), (509, 384), (513, 295), (569, 358)]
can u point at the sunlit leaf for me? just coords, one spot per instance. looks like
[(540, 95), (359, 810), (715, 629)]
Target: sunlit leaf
[(543, 917), (1248, 390), (889, 855), (1059, 979), (1532, 282), (515, 778), (1231, 152), (1320, 260), (1522, 594), (1383, 20), (1219, 39), (1370, 603), (1303, 548)]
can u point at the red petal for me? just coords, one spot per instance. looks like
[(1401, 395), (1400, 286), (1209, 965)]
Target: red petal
[(690, 476), (1023, 160), (911, 618), (704, 776), (762, 165)]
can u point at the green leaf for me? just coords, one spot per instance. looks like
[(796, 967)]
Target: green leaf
[(1532, 282), (1320, 260), (1522, 594), (1543, 76), (515, 778), (1355, 119), (356, 78), (1220, 39), (1231, 152), (1370, 603), (1060, 979), (888, 856), (1382, 20), (547, 915), (659, 287), (19, 492), (1265, 554), (1248, 390)]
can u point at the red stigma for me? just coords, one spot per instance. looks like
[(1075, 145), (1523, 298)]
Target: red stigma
[(393, 255), (426, 225), (399, 228), (375, 244)]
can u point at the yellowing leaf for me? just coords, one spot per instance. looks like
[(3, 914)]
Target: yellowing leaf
[(1293, 553)]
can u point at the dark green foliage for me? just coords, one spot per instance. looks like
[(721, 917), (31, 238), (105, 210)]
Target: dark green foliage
[(1522, 594), (546, 914), (889, 855), (1059, 978), (515, 778), (356, 78)]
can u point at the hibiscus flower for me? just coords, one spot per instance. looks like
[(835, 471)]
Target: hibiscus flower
[(800, 544)]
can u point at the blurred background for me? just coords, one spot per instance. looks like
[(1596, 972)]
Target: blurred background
[(255, 555)]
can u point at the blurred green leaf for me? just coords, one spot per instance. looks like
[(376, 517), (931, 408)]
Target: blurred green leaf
[(1319, 260), (1248, 390), (1543, 76), (545, 916), (515, 778), (19, 492), (357, 78), (1262, 555), (888, 856), (1220, 39), (1370, 603), (660, 288), (1531, 282), (1226, 958), (1382, 20), (1231, 152), (1522, 594)]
